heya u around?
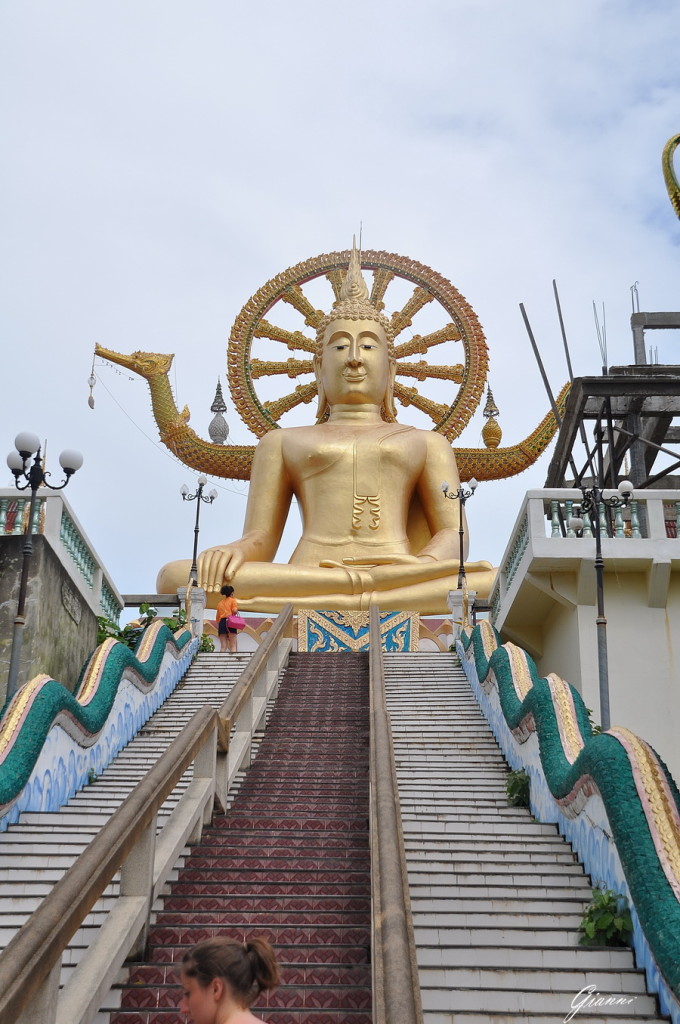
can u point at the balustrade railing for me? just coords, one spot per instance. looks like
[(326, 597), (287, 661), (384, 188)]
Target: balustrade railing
[(396, 989), (80, 554), (54, 519), (14, 515), (543, 525), (624, 522)]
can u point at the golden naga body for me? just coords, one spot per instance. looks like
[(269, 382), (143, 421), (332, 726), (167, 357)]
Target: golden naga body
[(376, 528), (669, 175)]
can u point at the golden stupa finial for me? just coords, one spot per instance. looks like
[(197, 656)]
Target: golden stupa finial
[(353, 302), (492, 433)]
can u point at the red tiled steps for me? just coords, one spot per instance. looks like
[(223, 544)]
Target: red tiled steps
[(288, 862)]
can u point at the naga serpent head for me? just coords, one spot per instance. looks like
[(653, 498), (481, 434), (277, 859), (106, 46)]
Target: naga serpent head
[(146, 364)]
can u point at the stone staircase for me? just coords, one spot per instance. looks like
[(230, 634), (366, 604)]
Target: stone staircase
[(289, 861), (496, 896), (35, 852)]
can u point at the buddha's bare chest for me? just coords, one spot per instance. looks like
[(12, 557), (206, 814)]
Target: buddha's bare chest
[(364, 459)]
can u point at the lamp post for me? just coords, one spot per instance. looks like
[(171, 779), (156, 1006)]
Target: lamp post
[(593, 499), (462, 496), (35, 476), (198, 497)]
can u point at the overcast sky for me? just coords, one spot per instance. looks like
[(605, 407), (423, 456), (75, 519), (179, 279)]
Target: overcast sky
[(162, 160)]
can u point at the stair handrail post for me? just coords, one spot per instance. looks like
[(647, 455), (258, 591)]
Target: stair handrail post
[(396, 988), (43, 1006), (205, 767), (136, 879)]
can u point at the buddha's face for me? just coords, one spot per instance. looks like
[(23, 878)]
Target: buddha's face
[(354, 363)]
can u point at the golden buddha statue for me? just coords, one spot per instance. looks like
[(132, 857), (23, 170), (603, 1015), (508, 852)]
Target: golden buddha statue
[(376, 528)]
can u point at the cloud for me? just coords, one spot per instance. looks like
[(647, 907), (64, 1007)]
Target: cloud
[(163, 162)]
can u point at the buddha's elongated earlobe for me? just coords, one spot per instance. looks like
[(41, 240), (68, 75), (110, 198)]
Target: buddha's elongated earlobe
[(322, 407), (389, 410)]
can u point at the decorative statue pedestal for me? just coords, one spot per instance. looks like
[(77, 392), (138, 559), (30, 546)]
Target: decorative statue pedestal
[(323, 631)]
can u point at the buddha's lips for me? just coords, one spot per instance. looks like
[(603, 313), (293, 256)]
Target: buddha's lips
[(354, 377)]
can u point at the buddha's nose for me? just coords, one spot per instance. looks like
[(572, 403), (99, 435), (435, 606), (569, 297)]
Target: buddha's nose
[(353, 355)]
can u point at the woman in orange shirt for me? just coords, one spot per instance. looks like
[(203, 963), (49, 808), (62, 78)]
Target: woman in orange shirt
[(225, 608)]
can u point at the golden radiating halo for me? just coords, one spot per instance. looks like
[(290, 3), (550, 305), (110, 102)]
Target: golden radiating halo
[(257, 319)]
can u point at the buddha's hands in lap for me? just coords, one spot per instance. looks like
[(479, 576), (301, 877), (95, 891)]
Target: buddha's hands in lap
[(376, 560), (217, 565)]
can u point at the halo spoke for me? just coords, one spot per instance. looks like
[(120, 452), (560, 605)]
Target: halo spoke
[(404, 317), (293, 339), (411, 396), (335, 279), (303, 393), (294, 295), (381, 279), (292, 367), (424, 370), (420, 343)]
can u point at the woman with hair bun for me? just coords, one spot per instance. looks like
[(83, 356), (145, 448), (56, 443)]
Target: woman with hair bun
[(227, 635), (222, 977)]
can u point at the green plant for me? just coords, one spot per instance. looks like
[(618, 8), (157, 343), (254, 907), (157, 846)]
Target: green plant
[(597, 729), (517, 788), (176, 621), (130, 633), (91, 776), (607, 920), (106, 628), (206, 644)]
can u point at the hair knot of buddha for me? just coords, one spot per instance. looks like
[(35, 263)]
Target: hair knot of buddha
[(354, 303)]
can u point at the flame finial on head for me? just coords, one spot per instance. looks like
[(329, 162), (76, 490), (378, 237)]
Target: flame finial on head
[(354, 288), (354, 303)]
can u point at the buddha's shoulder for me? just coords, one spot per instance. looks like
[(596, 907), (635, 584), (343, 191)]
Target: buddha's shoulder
[(278, 440)]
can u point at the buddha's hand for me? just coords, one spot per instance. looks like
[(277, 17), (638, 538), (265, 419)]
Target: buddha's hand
[(218, 565), (396, 559)]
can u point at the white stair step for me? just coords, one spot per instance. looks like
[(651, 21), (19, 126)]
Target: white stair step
[(559, 957), (519, 903), (502, 921), (615, 982), (511, 1000), (438, 882), (484, 1017)]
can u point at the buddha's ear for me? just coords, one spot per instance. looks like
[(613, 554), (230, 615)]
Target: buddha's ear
[(389, 410), (322, 407)]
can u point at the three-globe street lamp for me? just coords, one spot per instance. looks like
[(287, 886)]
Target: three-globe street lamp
[(198, 497), (593, 499), (462, 496), (35, 476)]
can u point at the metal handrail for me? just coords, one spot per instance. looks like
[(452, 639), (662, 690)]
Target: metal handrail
[(396, 987), (28, 963)]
